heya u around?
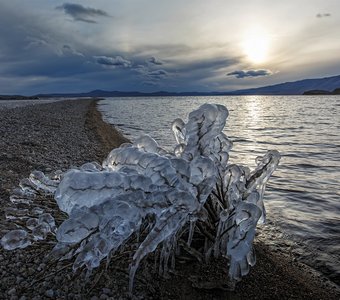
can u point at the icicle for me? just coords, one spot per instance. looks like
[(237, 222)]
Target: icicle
[(20, 196), (15, 239), (15, 213), (141, 185), (42, 182), (191, 232)]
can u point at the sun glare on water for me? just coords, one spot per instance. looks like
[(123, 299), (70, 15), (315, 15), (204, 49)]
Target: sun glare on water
[(255, 46)]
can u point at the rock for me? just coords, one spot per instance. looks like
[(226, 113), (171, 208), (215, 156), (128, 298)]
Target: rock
[(49, 293), (41, 267), (12, 291), (30, 271), (107, 291), (19, 279)]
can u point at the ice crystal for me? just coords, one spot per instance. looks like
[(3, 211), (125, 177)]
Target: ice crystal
[(185, 193)]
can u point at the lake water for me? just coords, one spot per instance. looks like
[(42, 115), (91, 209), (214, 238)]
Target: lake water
[(303, 196)]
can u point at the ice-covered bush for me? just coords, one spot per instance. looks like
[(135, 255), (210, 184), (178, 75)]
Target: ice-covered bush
[(165, 199)]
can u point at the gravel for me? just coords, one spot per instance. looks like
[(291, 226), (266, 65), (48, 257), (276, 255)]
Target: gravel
[(59, 135), (46, 137)]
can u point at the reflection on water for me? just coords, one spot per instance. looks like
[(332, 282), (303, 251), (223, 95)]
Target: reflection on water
[(303, 196)]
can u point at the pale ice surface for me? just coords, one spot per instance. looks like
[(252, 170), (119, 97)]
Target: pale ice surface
[(15, 239), (189, 192)]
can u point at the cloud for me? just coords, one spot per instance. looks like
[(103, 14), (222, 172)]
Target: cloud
[(158, 73), (151, 75), (250, 73), (68, 50), (206, 64), (319, 15), (150, 83), (116, 61), (81, 13), (35, 42), (155, 61)]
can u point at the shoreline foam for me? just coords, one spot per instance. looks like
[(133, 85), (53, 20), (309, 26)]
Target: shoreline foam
[(63, 134)]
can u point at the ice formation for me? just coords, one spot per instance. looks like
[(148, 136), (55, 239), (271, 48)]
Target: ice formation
[(192, 191)]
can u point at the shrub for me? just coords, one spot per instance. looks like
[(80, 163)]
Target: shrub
[(171, 197)]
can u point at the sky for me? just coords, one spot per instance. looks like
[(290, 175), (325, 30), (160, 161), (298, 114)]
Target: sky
[(51, 46)]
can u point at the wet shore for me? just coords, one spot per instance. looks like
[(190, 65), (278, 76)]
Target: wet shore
[(59, 135)]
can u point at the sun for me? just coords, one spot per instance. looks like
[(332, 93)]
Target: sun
[(255, 46)]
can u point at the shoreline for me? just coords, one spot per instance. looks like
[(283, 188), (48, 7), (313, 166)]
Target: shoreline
[(61, 134), (107, 136)]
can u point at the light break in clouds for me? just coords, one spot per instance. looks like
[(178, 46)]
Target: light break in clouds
[(152, 45)]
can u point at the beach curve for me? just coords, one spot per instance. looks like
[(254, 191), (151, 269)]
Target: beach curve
[(69, 133)]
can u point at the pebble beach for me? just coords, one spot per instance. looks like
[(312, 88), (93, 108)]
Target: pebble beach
[(49, 137)]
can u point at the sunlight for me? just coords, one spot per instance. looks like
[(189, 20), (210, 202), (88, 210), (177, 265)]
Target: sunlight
[(256, 45), (254, 107)]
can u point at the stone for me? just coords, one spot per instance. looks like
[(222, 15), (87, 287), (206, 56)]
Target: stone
[(12, 291), (49, 293)]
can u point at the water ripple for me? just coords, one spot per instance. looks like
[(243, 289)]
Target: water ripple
[(303, 196)]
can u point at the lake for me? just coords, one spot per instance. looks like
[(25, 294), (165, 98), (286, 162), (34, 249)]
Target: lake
[(302, 197)]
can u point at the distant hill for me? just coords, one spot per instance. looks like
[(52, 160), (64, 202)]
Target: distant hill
[(295, 88), (288, 88), (101, 93), (322, 92), (317, 86), (17, 97)]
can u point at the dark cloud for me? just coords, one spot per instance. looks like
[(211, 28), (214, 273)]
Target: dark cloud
[(33, 42), (187, 68), (319, 15), (155, 61), (250, 73), (81, 13), (116, 61), (151, 75), (41, 57), (150, 83), (158, 74), (68, 50)]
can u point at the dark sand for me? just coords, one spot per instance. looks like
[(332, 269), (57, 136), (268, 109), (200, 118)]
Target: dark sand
[(55, 136)]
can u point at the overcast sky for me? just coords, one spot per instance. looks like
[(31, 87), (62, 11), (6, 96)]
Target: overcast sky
[(151, 45)]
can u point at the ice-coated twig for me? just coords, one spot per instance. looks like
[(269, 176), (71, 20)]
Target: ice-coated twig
[(191, 198)]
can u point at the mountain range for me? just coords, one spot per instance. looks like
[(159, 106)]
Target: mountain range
[(327, 84), (316, 86)]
